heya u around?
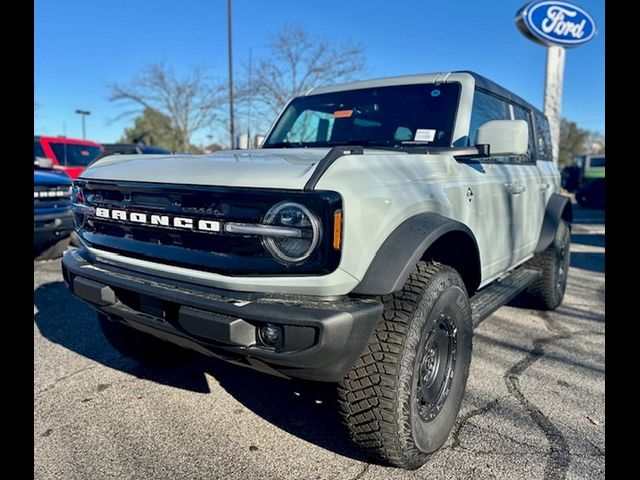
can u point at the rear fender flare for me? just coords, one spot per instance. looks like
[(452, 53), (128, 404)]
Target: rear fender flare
[(558, 207)]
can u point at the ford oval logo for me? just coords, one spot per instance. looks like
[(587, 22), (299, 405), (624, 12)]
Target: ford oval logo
[(556, 23)]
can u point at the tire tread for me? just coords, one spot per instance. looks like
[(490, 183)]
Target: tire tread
[(367, 395)]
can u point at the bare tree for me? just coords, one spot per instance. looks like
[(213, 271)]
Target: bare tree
[(191, 102), (296, 61)]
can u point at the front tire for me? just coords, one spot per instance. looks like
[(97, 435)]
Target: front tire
[(401, 398)]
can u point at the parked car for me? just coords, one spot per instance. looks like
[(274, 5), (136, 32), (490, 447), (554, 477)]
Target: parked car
[(592, 195), (584, 169), (67, 154), (380, 222), (52, 214), (592, 167)]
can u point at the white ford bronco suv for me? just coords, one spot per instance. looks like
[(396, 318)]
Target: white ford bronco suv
[(377, 225)]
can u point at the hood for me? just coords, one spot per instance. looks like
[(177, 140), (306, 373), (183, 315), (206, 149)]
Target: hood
[(50, 178), (259, 168)]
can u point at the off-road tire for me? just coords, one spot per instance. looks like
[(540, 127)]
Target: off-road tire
[(51, 251), (138, 345), (548, 290), (379, 396)]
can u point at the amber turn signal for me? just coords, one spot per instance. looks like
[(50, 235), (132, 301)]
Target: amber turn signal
[(337, 229)]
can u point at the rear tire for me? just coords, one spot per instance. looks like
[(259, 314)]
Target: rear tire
[(548, 290), (138, 345), (401, 398)]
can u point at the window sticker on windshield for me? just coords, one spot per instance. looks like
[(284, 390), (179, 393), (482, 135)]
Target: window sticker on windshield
[(342, 113), (425, 135)]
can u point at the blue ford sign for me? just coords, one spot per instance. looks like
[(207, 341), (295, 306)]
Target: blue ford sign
[(555, 23)]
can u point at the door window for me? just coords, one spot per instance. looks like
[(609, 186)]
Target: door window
[(520, 113), (485, 108)]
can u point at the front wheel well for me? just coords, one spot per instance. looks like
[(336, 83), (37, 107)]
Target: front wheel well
[(460, 252)]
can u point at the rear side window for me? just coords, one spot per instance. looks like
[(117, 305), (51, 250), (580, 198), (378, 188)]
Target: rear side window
[(74, 155), (596, 162), (543, 138), (38, 151)]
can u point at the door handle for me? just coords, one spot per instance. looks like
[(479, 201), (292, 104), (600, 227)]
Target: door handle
[(544, 186), (515, 188)]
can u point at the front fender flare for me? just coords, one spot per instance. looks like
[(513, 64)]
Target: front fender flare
[(401, 251)]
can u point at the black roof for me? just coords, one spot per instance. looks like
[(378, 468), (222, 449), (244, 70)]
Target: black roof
[(491, 86)]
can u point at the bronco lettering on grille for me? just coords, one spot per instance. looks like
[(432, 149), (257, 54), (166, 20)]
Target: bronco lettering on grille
[(203, 225)]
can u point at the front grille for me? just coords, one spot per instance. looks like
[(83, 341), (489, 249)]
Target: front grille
[(229, 254), (51, 196)]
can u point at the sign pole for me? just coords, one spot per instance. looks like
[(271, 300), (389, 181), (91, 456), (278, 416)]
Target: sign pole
[(553, 94)]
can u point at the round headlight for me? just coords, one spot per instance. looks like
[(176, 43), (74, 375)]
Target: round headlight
[(292, 249)]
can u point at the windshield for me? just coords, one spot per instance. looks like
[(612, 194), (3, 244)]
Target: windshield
[(74, 155), (382, 116), (38, 151)]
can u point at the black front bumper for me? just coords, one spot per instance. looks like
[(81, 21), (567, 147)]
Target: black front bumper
[(321, 337), (51, 227)]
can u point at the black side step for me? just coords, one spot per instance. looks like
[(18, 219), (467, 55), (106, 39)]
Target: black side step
[(500, 292)]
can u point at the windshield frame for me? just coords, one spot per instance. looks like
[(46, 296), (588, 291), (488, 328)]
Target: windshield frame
[(379, 144)]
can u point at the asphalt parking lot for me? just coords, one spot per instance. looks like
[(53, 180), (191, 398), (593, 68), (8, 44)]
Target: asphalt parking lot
[(534, 405)]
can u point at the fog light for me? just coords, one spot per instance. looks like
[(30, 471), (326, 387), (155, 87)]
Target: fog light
[(269, 334)]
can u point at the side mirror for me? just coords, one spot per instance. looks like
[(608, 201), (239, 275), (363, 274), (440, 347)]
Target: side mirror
[(504, 137), (42, 162)]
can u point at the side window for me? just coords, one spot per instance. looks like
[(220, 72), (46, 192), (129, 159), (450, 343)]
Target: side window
[(543, 138), (486, 107), (520, 113), (311, 126)]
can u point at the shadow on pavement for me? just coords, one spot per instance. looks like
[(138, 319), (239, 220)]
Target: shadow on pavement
[(588, 261), (593, 240), (586, 215), (307, 410)]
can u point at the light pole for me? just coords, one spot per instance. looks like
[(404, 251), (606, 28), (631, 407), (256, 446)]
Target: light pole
[(229, 44), (83, 114)]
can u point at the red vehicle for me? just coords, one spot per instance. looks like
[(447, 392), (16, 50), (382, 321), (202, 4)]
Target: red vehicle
[(67, 154)]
